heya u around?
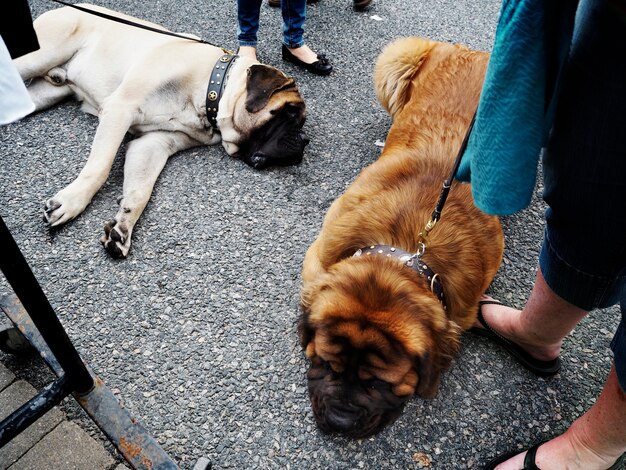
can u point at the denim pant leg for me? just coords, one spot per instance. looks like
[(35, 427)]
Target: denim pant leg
[(583, 257), (294, 14), (248, 13)]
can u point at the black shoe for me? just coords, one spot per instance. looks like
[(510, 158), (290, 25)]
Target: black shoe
[(276, 3), (359, 4), (320, 67)]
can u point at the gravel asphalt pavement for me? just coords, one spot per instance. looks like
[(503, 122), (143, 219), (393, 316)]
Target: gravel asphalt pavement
[(196, 331)]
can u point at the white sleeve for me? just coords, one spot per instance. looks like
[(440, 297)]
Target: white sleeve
[(15, 102)]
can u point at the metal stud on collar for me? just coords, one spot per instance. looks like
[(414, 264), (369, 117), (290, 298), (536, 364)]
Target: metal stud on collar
[(217, 82), (413, 261)]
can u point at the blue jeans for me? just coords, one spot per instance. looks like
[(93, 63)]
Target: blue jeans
[(583, 258), (294, 14)]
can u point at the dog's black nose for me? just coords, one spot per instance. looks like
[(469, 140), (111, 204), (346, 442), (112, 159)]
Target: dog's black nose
[(304, 139), (258, 161), (343, 418)]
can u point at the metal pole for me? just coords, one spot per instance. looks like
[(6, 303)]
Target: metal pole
[(28, 290), (34, 409)]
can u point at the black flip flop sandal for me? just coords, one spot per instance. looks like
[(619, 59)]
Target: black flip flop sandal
[(536, 366), (529, 459)]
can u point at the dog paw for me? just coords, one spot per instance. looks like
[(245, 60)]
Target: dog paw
[(62, 208), (116, 239)]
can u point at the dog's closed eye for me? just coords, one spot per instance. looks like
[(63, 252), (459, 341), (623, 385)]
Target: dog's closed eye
[(377, 384)]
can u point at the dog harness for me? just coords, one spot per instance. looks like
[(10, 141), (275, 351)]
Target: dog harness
[(217, 83), (413, 261)]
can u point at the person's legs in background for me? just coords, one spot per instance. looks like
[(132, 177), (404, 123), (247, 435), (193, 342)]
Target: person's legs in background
[(358, 4), (294, 16), (583, 258), (248, 13), (294, 49)]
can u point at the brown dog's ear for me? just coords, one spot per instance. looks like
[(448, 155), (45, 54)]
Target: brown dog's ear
[(430, 364), (310, 292), (429, 373), (263, 81), (305, 332)]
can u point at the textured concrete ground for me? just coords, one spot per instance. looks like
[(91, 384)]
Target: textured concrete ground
[(52, 441), (195, 331)]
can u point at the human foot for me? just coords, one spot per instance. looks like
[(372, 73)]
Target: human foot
[(501, 324), (304, 53), (305, 57), (247, 51), (558, 454)]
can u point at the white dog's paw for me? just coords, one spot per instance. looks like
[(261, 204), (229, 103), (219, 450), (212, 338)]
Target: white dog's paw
[(63, 207), (116, 239)]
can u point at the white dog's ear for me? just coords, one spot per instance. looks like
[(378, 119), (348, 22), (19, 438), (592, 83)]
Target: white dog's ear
[(263, 81)]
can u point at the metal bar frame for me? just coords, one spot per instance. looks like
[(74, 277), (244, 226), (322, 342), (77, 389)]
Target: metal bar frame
[(35, 408), (25, 285), (36, 319)]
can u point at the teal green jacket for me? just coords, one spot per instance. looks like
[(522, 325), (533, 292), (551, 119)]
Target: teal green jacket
[(515, 112)]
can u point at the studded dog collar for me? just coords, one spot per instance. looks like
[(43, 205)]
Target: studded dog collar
[(413, 261), (217, 82)]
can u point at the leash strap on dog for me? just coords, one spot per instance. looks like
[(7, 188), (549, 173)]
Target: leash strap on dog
[(445, 190), (117, 19)]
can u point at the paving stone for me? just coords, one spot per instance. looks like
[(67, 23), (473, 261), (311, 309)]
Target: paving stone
[(11, 398), (6, 377), (67, 447)]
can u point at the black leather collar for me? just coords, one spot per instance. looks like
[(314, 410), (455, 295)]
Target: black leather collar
[(217, 83), (413, 261)]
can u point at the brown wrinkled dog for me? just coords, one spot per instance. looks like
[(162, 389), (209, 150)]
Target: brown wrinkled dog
[(373, 330)]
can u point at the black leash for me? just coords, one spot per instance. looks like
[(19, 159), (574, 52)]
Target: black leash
[(415, 260), (117, 19), (447, 184)]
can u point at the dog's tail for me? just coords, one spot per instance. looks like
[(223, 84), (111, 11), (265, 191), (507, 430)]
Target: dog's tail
[(395, 67)]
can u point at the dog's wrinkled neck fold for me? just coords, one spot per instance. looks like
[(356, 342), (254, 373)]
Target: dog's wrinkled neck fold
[(411, 260), (217, 84)]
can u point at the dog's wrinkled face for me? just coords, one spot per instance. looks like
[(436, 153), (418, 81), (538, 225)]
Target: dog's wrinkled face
[(272, 121), (373, 340)]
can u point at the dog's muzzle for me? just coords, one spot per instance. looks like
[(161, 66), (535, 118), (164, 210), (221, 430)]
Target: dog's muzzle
[(288, 151), (349, 407), (343, 417)]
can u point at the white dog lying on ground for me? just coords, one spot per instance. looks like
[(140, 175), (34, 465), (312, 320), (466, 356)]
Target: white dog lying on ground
[(173, 93)]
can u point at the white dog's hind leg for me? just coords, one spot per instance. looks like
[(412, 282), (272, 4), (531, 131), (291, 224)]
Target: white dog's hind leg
[(37, 64), (45, 94), (145, 159), (59, 38), (116, 117)]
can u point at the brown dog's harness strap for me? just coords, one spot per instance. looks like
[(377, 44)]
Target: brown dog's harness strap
[(413, 261), (216, 86)]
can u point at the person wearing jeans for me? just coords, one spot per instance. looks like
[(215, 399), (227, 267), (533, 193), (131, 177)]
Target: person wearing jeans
[(358, 5), (294, 49)]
